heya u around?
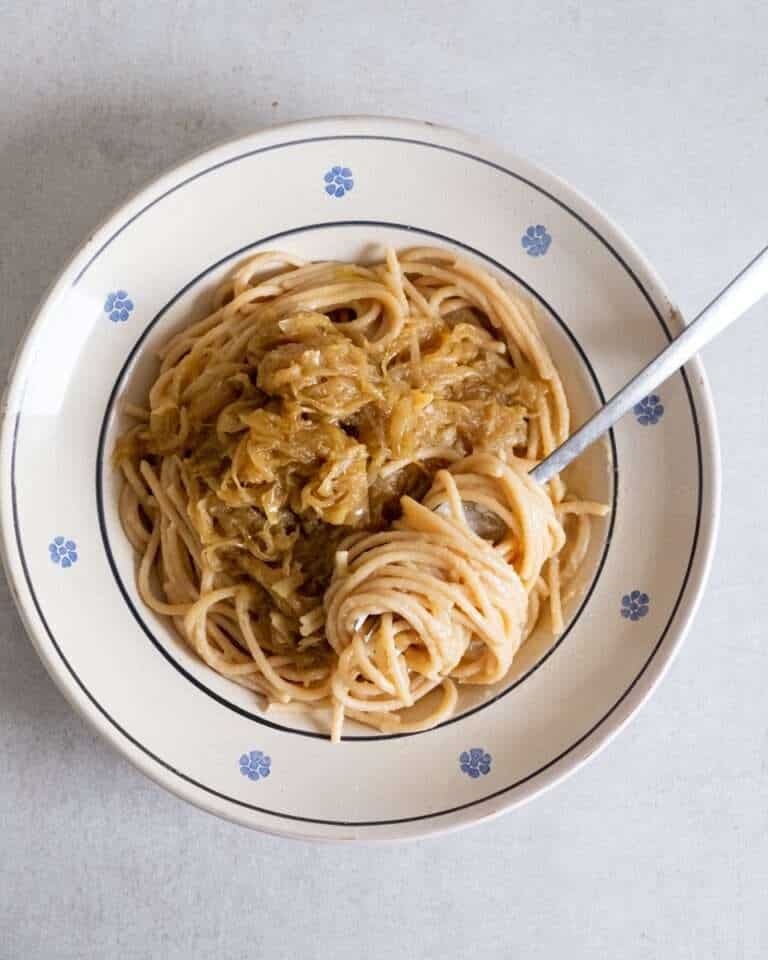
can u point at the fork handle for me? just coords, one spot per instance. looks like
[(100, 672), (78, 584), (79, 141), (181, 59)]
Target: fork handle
[(742, 292)]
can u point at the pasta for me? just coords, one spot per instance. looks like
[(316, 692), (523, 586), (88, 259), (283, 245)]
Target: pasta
[(327, 489)]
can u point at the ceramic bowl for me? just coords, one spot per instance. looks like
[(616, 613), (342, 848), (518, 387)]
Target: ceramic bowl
[(343, 188)]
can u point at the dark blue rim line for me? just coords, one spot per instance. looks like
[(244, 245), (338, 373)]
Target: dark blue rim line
[(427, 816), (384, 139), (118, 386)]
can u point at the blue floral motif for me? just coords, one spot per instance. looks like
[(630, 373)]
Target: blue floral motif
[(255, 765), (475, 762), (63, 552), (634, 605), (338, 181), (649, 411), (118, 306), (536, 241)]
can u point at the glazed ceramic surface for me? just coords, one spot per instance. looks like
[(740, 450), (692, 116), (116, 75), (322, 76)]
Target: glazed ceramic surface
[(343, 189)]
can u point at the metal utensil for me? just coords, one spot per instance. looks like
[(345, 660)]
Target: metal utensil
[(742, 292)]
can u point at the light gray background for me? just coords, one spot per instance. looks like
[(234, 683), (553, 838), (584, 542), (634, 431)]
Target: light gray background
[(658, 110)]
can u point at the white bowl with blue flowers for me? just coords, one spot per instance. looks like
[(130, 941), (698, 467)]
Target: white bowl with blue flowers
[(341, 188)]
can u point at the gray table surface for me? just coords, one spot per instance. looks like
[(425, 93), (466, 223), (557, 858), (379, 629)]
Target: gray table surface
[(657, 110)]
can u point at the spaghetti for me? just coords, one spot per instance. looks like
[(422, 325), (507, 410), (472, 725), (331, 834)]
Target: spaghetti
[(328, 488)]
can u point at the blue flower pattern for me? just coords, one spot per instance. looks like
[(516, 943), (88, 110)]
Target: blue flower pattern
[(634, 605), (536, 241), (255, 765), (118, 306), (649, 411), (338, 181), (62, 552), (475, 762)]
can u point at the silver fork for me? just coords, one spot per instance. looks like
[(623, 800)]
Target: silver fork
[(742, 292)]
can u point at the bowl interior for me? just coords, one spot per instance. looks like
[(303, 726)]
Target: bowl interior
[(591, 476)]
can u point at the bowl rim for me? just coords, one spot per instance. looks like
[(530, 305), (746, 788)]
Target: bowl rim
[(706, 534)]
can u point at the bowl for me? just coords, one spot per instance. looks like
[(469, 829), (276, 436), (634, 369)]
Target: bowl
[(344, 188)]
